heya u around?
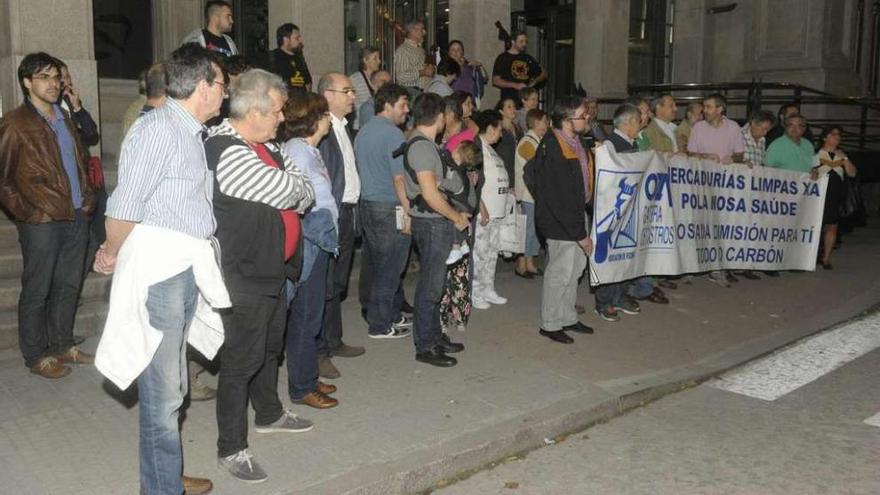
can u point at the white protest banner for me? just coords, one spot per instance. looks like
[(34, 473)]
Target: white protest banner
[(655, 215)]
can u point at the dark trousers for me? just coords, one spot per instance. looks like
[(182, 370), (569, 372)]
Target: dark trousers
[(303, 328), (610, 295), (338, 272), (254, 339), (54, 255), (433, 238), (385, 259), (97, 229), (365, 279)]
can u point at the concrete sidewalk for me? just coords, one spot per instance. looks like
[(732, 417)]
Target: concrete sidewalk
[(403, 426)]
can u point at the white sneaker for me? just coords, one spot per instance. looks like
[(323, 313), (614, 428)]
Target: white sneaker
[(454, 256), (403, 323), (479, 304), (494, 298), (464, 249)]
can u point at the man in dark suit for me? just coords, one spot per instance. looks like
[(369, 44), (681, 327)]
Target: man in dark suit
[(626, 129), (611, 299), (337, 151)]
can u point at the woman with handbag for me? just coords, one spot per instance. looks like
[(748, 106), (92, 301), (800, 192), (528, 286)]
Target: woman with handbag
[(833, 162), (495, 203)]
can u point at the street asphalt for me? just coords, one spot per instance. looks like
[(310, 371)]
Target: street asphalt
[(813, 440)]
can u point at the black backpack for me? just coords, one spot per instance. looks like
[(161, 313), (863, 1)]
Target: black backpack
[(458, 201)]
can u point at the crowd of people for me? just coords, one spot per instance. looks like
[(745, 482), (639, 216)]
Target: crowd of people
[(242, 192)]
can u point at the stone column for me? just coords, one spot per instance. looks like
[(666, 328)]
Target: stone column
[(688, 43), (172, 21), (473, 22), (602, 47), (62, 29), (322, 27)]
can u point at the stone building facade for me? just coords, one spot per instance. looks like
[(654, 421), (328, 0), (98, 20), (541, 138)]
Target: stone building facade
[(825, 44)]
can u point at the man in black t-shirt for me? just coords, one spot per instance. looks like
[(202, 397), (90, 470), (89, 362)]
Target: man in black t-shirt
[(218, 21), (288, 60), (515, 69)]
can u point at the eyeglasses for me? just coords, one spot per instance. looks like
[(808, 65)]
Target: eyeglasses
[(46, 77), (222, 86), (347, 91)]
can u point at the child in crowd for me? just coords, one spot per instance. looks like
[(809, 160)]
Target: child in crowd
[(461, 191)]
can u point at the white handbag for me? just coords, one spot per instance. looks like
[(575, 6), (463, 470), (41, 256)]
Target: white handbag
[(512, 235)]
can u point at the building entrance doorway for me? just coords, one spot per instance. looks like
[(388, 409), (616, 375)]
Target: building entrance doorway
[(550, 27)]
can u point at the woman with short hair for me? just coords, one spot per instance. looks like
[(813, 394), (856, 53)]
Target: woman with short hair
[(306, 122)]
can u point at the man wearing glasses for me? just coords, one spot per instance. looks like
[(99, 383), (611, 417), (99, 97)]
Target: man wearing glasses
[(338, 154), (562, 189), (43, 186), (163, 256)]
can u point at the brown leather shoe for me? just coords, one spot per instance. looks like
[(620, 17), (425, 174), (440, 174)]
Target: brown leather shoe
[(658, 297), (326, 388), (196, 486), (75, 355), (345, 350), (317, 400), (49, 367), (326, 368)]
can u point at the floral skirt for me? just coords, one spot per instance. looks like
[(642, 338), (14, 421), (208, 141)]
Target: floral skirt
[(455, 306)]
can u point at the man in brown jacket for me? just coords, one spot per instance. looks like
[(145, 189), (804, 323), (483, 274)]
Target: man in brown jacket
[(43, 188)]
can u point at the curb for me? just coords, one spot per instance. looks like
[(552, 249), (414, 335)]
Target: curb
[(473, 451)]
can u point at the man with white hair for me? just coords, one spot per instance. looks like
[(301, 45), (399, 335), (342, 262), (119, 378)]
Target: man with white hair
[(258, 196), (611, 299), (410, 69)]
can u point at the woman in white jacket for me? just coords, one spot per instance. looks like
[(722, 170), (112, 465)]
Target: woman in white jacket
[(496, 201)]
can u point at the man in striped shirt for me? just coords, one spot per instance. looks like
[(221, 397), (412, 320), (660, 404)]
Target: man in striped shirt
[(754, 135), (164, 182), (410, 69), (258, 197)]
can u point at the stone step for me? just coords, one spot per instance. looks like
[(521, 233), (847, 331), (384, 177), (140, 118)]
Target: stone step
[(8, 233), (10, 262), (90, 317), (95, 287)]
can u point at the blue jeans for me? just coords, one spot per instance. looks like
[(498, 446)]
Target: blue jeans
[(53, 255), (386, 257), (610, 295), (163, 385), (433, 238), (640, 288), (533, 246), (304, 324)]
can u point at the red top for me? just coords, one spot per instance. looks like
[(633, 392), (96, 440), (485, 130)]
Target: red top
[(290, 218)]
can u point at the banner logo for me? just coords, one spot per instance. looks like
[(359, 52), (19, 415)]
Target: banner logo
[(618, 226)]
